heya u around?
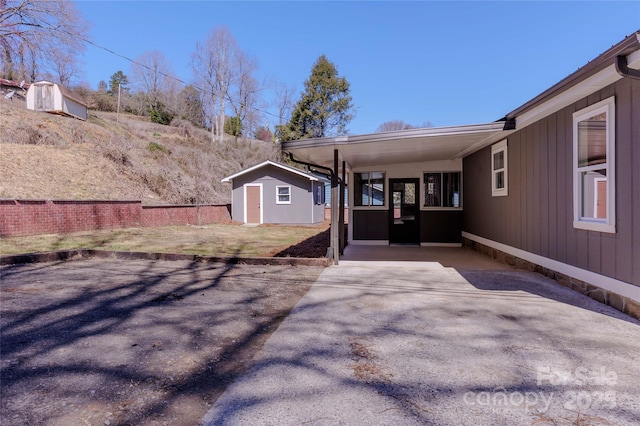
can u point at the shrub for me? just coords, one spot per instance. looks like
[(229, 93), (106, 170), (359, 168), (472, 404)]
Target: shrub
[(156, 147), (160, 115), (233, 126)]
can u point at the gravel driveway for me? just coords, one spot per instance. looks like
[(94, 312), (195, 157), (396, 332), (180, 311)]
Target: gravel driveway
[(106, 341)]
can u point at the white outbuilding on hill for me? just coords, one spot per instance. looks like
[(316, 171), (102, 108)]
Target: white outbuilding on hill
[(53, 98)]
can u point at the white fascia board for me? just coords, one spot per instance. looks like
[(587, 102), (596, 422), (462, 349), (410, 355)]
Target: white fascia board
[(607, 283), (584, 88), (633, 60), (581, 90), (269, 162), (427, 132), (489, 140), (393, 136)]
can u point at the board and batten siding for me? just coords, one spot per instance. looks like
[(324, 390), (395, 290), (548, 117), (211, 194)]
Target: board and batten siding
[(537, 215)]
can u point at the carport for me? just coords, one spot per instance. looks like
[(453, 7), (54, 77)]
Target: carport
[(385, 172)]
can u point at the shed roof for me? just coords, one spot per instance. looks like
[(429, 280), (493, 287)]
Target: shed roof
[(13, 84), (289, 169)]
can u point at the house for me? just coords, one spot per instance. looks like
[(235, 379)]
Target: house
[(53, 98), (11, 89), (272, 192), (553, 186)]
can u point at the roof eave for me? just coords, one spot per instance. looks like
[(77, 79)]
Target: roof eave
[(270, 163), (392, 136), (627, 46)]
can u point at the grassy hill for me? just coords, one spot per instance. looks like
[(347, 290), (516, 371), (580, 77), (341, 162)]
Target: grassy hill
[(44, 156)]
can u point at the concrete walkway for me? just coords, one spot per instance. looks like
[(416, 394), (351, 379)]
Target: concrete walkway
[(418, 342)]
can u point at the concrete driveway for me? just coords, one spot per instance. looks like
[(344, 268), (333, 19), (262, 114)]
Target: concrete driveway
[(437, 341)]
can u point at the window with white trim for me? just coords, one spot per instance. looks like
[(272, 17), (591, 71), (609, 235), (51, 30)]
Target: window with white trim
[(283, 194), (594, 197), (499, 170), (369, 189)]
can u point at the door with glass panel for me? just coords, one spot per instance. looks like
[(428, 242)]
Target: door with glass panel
[(404, 211)]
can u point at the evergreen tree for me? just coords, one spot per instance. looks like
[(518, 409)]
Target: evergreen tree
[(325, 108), (159, 114), (233, 126), (118, 79)]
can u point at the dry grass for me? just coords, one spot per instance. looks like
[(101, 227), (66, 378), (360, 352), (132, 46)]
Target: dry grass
[(45, 156), (212, 240)]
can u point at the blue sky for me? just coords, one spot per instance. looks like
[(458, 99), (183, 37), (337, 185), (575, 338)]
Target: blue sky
[(448, 63)]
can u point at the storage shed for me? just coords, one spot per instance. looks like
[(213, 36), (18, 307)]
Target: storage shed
[(53, 98), (276, 193)]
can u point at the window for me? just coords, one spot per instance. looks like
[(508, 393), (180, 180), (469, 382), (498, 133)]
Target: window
[(594, 167), (369, 189), (499, 175), (442, 189), (318, 196), (283, 195)]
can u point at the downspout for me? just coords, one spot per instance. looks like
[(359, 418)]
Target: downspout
[(334, 247), (329, 171), (341, 211), (623, 69)]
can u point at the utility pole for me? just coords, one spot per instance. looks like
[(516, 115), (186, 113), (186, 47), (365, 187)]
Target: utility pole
[(118, 109)]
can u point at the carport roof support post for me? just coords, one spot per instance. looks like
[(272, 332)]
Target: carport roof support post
[(335, 235)]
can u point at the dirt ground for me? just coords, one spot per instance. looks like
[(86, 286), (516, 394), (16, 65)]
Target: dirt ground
[(112, 342)]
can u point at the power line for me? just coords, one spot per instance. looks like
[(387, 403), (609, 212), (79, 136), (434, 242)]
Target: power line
[(150, 69)]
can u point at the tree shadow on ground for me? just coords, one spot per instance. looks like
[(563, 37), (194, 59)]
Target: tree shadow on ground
[(133, 342), (315, 246), (376, 346)]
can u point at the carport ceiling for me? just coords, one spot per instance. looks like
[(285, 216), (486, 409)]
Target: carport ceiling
[(404, 146)]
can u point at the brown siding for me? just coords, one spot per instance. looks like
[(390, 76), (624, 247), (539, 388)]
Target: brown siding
[(441, 226), (370, 225), (633, 245), (537, 215), (435, 226)]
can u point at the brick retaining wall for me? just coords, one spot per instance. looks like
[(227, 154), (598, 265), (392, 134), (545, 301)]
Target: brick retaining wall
[(185, 215), (33, 217)]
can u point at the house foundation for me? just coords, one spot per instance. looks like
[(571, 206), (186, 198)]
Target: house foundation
[(616, 301)]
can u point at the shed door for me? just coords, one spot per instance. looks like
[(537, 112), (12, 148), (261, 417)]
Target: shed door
[(252, 204), (43, 97)]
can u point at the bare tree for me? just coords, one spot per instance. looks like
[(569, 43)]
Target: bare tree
[(284, 99), (190, 106), (36, 35), (213, 71), (394, 125), (64, 68), (171, 95), (152, 72), (244, 90)]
